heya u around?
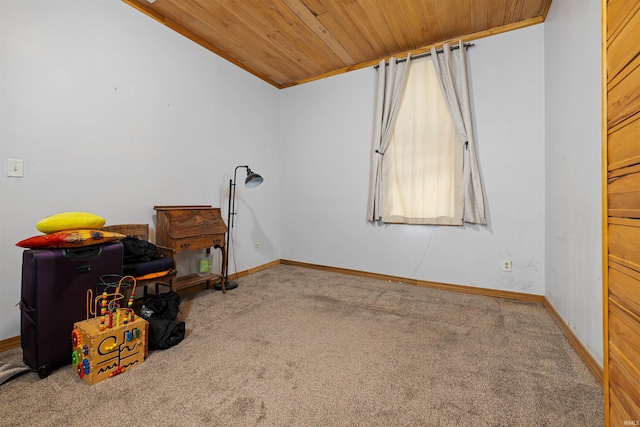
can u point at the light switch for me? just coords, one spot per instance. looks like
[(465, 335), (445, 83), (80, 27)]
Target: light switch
[(15, 168)]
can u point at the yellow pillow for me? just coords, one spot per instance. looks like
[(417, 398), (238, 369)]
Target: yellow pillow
[(70, 221)]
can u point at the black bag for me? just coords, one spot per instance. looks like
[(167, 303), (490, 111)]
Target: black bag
[(163, 306), (138, 250), (161, 312), (165, 333)]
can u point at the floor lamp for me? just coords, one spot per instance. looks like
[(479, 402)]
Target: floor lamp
[(252, 180)]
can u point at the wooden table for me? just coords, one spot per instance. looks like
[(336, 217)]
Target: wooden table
[(192, 227)]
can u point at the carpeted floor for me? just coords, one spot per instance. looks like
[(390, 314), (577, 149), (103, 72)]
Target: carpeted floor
[(300, 347)]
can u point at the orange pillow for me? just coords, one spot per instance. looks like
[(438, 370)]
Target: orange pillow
[(70, 239)]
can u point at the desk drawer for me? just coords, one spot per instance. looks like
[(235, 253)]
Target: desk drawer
[(202, 242)]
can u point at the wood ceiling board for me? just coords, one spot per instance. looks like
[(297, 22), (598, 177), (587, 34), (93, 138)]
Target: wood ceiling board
[(288, 42), (398, 23), (345, 30), (359, 51), (514, 11), (319, 30), (388, 25), (451, 25), (270, 38), (496, 13), (533, 8), (479, 15), (415, 24), (430, 28), (283, 35), (317, 7), (360, 17)]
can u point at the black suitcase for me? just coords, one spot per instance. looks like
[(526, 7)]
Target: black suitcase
[(54, 295)]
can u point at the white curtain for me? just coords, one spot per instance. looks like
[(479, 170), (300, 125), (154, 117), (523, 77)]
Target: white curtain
[(451, 69), (422, 168), (392, 80)]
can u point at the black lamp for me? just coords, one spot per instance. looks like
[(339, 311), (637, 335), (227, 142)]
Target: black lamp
[(252, 180)]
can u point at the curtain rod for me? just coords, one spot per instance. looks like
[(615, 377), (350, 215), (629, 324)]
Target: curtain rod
[(428, 53)]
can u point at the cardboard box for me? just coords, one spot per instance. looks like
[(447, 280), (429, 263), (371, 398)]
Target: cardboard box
[(98, 355)]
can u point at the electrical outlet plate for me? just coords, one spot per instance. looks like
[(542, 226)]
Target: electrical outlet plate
[(506, 265), (15, 168)]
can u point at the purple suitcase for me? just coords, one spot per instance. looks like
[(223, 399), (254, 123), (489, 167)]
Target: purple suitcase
[(54, 294)]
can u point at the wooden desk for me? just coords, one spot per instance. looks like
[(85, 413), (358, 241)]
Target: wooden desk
[(192, 228)]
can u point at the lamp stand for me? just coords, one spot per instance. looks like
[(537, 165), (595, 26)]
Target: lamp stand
[(229, 284), (252, 180)]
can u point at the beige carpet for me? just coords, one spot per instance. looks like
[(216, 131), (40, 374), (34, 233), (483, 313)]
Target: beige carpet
[(300, 347)]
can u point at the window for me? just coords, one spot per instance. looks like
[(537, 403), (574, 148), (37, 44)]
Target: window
[(422, 171)]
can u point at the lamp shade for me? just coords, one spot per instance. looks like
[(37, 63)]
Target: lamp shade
[(253, 179)]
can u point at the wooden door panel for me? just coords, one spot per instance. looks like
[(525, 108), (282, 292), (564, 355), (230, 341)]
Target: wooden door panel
[(624, 287), (624, 47), (624, 144), (619, 414), (624, 94), (623, 340), (623, 242), (621, 197), (624, 391), (618, 12), (624, 195)]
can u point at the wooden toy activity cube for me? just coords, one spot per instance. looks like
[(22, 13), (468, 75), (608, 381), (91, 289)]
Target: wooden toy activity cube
[(110, 344)]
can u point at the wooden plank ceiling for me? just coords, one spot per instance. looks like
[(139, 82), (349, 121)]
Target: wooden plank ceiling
[(289, 42)]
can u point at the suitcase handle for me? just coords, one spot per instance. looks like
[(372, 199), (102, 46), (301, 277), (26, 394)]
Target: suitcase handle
[(80, 254), (83, 269)]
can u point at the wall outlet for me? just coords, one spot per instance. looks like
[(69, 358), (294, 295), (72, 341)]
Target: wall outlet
[(257, 246), (506, 265)]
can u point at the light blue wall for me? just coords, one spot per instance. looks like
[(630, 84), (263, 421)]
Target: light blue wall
[(326, 139), (573, 136)]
